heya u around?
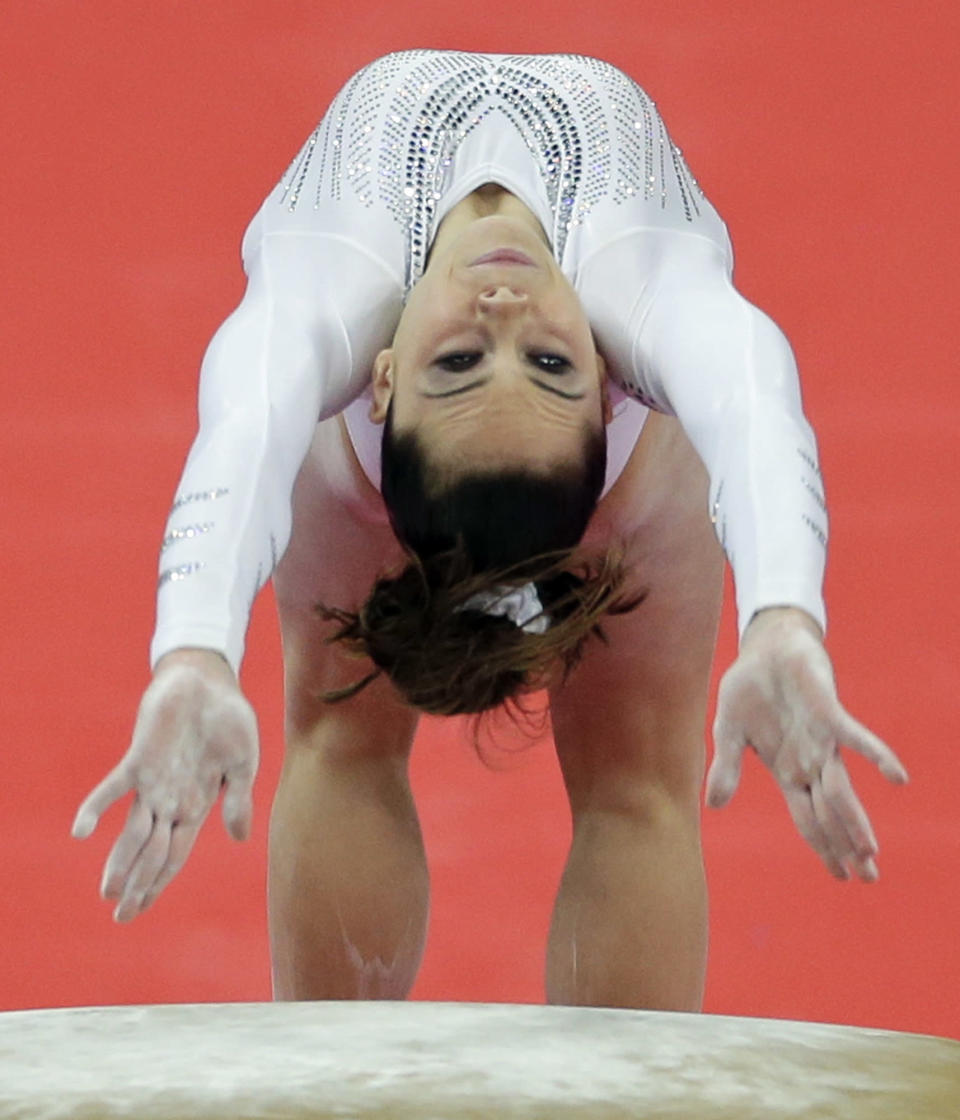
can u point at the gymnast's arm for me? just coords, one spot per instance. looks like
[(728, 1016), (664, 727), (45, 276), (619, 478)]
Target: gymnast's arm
[(704, 353), (269, 374)]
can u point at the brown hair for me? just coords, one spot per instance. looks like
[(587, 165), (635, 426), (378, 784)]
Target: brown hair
[(448, 660), (472, 534)]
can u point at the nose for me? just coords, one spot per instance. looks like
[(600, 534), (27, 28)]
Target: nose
[(502, 299)]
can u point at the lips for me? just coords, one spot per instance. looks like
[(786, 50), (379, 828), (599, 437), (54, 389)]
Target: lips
[(503, 256)]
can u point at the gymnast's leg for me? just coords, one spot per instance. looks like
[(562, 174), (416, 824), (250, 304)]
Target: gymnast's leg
[(630, 922), (348, 883), (348, 889)]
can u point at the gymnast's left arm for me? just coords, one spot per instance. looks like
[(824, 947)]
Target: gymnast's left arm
[(728, 373)]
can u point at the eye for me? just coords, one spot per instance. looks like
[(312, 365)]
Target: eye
[(458, 361), (551, 363)]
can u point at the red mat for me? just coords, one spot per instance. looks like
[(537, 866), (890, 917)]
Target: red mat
[(139, 138)]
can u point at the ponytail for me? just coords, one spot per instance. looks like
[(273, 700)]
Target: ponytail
[(439, 627)]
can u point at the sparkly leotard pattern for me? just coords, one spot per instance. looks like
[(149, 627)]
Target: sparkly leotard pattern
[(336, 247)]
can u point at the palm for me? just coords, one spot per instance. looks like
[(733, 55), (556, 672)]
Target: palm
[(195, 735), (780, 699)]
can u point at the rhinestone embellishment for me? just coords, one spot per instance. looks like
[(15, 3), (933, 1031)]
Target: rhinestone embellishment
[(393, 132), (200, 496), (174, 575), (188, 532)]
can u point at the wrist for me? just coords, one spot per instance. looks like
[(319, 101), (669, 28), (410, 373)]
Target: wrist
[(781, 620), (205, 660)]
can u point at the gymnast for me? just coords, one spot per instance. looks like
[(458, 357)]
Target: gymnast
[(487, 412)]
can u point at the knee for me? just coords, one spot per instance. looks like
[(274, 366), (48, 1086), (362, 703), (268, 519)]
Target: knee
[(654, 788), (373, 723), (338, 739), (372, 726), (647, 808)]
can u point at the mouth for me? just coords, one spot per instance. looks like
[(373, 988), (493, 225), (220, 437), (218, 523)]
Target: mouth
[(504, 256)]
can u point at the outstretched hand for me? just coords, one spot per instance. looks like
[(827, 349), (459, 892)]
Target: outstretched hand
[(195, 734), (779, 698)]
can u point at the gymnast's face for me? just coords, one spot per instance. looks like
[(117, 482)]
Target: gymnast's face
[(493, 362)]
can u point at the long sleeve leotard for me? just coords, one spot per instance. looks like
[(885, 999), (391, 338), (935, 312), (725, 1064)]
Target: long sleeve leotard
[(336, 246)]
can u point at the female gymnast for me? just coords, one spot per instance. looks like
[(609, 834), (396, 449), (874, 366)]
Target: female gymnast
[(489, 391)]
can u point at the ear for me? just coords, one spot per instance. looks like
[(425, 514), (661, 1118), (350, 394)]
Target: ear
[(604, 391), (382, 384)]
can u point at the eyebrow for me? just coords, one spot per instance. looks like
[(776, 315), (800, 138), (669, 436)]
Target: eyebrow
[(485, 380)]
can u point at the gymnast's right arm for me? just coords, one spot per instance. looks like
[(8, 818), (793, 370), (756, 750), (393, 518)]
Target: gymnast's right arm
[(277, 365)]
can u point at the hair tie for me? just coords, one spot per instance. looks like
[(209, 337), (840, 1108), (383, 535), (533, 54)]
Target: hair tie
[(520, 604)]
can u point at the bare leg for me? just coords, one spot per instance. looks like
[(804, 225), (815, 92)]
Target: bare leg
[(348, 886), (348, 890), (630, 924)]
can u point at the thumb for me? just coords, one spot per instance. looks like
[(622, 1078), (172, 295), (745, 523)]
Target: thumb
[(238, 806), (863, 740), (724, 775), (117, 783)]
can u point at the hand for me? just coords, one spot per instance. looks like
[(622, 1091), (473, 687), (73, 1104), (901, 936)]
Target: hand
[(779, 697), (195, 734)]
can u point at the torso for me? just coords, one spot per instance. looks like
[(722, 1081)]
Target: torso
[(493, 114)]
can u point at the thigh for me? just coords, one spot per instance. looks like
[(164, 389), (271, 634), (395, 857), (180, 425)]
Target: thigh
[(340, 542), (631, 715)]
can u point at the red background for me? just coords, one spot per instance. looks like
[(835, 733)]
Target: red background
[(139, 137)]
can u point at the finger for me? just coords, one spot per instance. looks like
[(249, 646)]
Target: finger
[(724, 775), (188, 808), (238, 805), (144, 872), (136, 832), (863, 740), (112, 788), (182, 838), (832, 827), (800, 804), (181, 835), (866, 869), (847, 809)]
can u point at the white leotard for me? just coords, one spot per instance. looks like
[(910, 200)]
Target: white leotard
[(337, 245)]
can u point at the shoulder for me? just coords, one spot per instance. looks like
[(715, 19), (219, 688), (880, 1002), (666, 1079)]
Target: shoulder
[(608, 73)]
